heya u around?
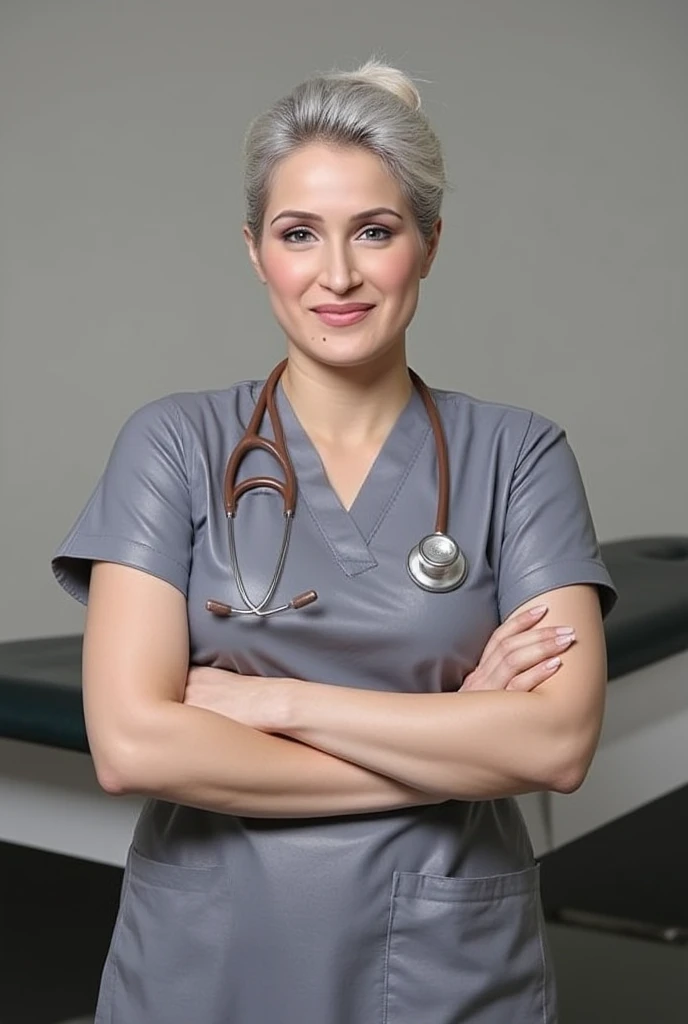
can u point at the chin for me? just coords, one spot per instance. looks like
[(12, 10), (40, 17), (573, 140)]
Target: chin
[(348, 352), (345, 360)]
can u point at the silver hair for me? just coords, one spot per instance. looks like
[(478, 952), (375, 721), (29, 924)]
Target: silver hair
[(375, 107)]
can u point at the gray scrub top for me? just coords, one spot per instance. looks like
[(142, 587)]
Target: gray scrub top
[(426, 915)]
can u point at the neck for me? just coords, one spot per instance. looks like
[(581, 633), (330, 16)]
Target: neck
[(347, 405)]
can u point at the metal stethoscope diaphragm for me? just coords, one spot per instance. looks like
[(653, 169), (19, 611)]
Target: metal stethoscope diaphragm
[(437, 563)]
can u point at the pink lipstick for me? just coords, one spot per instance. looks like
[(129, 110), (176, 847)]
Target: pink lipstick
[(342, 314)]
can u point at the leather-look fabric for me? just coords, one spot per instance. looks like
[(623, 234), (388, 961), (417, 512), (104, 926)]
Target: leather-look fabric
[(426, 915)]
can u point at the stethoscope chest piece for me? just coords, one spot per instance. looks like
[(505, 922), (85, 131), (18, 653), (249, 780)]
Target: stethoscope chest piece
[(437, 563)]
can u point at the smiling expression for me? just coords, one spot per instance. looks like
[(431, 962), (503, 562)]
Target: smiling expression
[(341, 255)]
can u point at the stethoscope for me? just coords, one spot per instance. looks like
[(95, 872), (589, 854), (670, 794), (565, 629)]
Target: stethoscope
[(436, 563)]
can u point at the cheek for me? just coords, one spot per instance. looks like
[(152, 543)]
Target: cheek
[(286, 277), (399, 274)]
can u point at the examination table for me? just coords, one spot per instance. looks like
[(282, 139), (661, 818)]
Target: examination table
[(613, 853)]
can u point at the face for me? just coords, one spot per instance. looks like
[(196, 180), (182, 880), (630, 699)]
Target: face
[(341, 256)]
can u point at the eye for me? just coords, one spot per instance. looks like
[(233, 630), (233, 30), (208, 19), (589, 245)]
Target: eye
[(376, 233), (297, 235)]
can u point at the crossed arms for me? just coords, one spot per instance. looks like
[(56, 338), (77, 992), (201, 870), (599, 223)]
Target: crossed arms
[(288, 748)]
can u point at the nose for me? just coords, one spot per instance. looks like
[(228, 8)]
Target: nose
[(339, 272)]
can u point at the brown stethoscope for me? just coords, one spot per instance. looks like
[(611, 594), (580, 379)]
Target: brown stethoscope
[(436, 563)]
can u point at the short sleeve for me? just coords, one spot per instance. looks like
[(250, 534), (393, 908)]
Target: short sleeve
[(548, 538), (140, 511)]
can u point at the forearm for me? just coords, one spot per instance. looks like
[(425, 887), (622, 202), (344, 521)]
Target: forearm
[(192, 756), (468, 746)]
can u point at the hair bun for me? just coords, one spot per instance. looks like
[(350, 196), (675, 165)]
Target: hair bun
[(374, 107), (384, 76)]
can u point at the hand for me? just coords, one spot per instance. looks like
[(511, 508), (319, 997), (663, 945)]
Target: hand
[(518, 656), (251, 700)]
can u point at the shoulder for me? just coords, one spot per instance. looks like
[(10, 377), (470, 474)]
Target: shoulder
[(188, 416), (495, 425)]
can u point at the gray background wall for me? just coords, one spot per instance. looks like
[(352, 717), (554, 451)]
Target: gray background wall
[(561, 284)]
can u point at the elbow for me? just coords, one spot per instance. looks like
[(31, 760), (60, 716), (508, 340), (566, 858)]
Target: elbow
[(568, 780), (117, 767), (570, 767), (126, 753), (110, 781)]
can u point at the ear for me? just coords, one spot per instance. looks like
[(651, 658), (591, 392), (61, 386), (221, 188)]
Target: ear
[(431, 247), (253, 253)]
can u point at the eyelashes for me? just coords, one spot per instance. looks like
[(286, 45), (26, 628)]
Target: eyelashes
[(296, 235), (385, 232), (290, 236)]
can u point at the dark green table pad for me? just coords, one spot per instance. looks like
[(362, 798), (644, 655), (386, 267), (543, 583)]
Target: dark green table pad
[(40, 680)]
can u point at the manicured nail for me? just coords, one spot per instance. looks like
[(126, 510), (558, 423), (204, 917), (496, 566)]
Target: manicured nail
[(564, 641), (540, 610), (564, 630), (553, 663)]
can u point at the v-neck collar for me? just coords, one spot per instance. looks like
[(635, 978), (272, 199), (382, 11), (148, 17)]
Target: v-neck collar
[(349, 533)]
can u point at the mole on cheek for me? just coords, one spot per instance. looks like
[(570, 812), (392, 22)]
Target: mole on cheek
[(324, 339)]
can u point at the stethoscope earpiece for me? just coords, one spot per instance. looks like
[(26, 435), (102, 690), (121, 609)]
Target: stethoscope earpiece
[(437, 563)]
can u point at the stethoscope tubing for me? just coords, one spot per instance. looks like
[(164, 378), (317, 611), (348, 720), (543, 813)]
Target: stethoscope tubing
[(442, 513), (436, 563), (277, 448)]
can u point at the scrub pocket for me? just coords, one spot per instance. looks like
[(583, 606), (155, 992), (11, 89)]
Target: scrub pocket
[(466, 951), (168, 955)]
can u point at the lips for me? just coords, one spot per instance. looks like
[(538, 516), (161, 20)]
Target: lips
[(343, 307), (342, 314)]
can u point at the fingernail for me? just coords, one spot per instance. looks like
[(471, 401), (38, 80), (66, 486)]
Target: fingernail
[(564, 630), (540, 610), (553, 663), (564, 641)]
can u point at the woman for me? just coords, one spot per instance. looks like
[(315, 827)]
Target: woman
[(331, 836)]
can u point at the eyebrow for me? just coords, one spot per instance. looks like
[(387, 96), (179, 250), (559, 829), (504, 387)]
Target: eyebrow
[(365, 215)]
